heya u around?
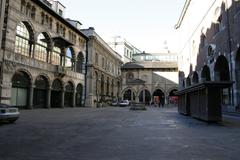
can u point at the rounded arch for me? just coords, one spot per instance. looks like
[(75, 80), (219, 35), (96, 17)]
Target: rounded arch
[(144, 96), (172, 97), (29, 26), (21, 81), (158, 96), (205, 74), (80, 62), (40, 91), (56, 93), (42, 47), (26, 72), (79, 93), (221, 69), (188, 81), (42, 81), (70, 58), (68, 96), (195, 78), (129, 94), (24, 39)]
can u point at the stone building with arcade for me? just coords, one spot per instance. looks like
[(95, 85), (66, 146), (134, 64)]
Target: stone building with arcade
[(103, 80), (210, 46), (42, 56), (152, 78)]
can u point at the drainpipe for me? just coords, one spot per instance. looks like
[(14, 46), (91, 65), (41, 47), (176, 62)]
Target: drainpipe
[(230, 50)]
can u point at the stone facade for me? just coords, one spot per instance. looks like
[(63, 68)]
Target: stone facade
[(209, 33), (103, 70), (43, 57), (146, 83)]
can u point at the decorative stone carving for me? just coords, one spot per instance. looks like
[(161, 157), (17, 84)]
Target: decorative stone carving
[(9, 67)]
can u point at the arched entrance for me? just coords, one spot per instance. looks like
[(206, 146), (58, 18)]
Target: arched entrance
[(221, 73), (40, 92), (195, 78), (20, 89), (159, 96), (172, 97), (68, 96), (79, 95), (145, 96), (129, 95), (56, 93), (205, 75)]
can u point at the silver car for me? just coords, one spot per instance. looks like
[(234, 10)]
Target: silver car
[(8, 113), (124, 103)]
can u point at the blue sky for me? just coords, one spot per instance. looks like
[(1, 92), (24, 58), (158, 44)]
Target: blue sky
[(144, 23)]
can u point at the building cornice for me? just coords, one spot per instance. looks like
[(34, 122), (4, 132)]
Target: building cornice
[(183, 13), (57, 16)]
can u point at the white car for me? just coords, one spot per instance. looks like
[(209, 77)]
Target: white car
[(8, 113), (124, 103), (114, 103)]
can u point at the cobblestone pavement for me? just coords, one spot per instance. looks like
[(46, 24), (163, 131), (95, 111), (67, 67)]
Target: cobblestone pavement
[(115, 133)]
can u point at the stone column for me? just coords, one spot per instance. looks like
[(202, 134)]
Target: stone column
[(131, 95), (48, 98), (30, 98), (74, 99)]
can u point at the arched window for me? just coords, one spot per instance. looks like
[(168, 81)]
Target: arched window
[(80, 60), (205, 75), (203, 41), (33, 13), (56, 56), (23, 5), (41, 50), (28, 10), (195, 78), (69, 60), (22, 43)]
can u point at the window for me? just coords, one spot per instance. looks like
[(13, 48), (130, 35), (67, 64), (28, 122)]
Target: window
[(103, 62), (43, 18), (41, 48), (23, 5), (33, 13), (60, 12), (203, 40), (22, 43), (28, 10), (96, 59), (69, 58), (50, 23), (57, 28), (56, 58)]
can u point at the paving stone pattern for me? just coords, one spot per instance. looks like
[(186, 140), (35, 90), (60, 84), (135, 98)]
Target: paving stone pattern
[(115, 133)]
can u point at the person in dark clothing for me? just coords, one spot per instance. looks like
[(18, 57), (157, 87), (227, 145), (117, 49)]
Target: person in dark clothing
[(162, 101)]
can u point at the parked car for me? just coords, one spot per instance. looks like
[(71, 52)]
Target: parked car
[(124, 103), (115, 103), (8, 113)]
